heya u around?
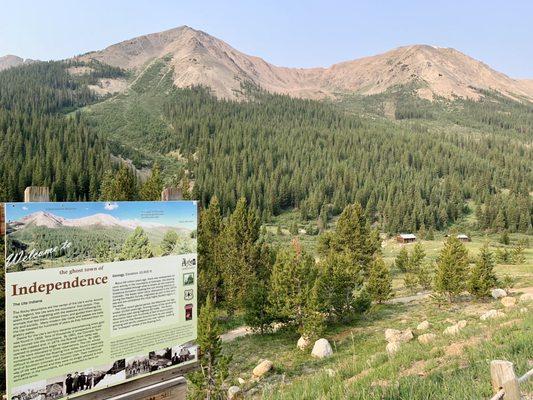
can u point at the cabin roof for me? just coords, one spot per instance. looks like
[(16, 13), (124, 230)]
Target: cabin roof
[(407, 236)]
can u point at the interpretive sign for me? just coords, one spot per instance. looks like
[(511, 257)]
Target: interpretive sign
[(97, 294)]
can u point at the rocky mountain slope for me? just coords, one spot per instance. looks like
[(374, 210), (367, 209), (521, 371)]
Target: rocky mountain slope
[(48, 220), (200, 59), (10, 61)]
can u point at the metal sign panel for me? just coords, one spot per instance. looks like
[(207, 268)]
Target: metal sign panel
[(98, 294)]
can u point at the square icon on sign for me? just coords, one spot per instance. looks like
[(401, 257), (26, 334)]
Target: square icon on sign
[(188, 294), (188, 312), (188, 279)]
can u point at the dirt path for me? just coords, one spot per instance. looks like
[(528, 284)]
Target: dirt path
[(246, 330), (236, 333)]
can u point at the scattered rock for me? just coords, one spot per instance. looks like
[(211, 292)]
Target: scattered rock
[(234, 393), (498, 293), (461, 324), (427, 338), (491, 315), (322, 349), (434, 351), (418, 368), (456, 349), (403, 321), (391, 334), (424, 325), (303, 343), (406, 336), (508, 301), (241, 381), (330, 372), (392, 348), (526, 297), (394, 335), (452, 330), (262, 368), (523, 310)]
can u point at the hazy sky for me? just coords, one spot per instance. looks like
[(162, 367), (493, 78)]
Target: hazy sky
[(289, 33)]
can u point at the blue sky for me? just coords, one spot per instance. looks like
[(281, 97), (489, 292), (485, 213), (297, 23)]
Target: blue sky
[(288, 33), (178, 213)]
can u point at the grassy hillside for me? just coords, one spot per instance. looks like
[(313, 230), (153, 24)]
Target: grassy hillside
[(454, 367), (451, 367), (129, 118)]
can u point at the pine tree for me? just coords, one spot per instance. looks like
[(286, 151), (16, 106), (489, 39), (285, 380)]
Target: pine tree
[(452, 268), (313, 320), (256, 301), (517, 255), (168, 244), (119, 186), (417, 257), (152, 188), (482, 277), (209, 258), (293, 277), (136, 246), (402, 260), (337, 281), (185, 188), (424, 277), (208, 382), (379, 283), (125, 186), (410, 280), (504, 238), (237, 253), (354, 237)]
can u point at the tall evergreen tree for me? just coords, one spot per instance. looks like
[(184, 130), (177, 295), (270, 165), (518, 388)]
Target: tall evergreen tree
[(379, 283), (136, 246), (293, 278), (482, 277), (207, 384), (237, 254), (209, 242), (452, 268), (152, 188), (169, 242)]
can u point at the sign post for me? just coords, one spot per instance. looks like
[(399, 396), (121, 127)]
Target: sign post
[(100, 299)]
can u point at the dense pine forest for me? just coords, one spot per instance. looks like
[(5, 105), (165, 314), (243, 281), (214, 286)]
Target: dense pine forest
[(42, 146), (423, 170)]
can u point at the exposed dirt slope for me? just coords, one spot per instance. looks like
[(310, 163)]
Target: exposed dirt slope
[(199, 58)]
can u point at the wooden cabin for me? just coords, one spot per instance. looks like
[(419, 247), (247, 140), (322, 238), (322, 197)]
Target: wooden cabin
[(406, 238), (464, 238)]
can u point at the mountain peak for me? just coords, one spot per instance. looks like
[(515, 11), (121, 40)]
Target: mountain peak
[(9, 61), (198, 58)]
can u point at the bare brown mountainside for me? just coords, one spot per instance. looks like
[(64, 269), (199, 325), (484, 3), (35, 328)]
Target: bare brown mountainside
[(199, 58), (10, 61)]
